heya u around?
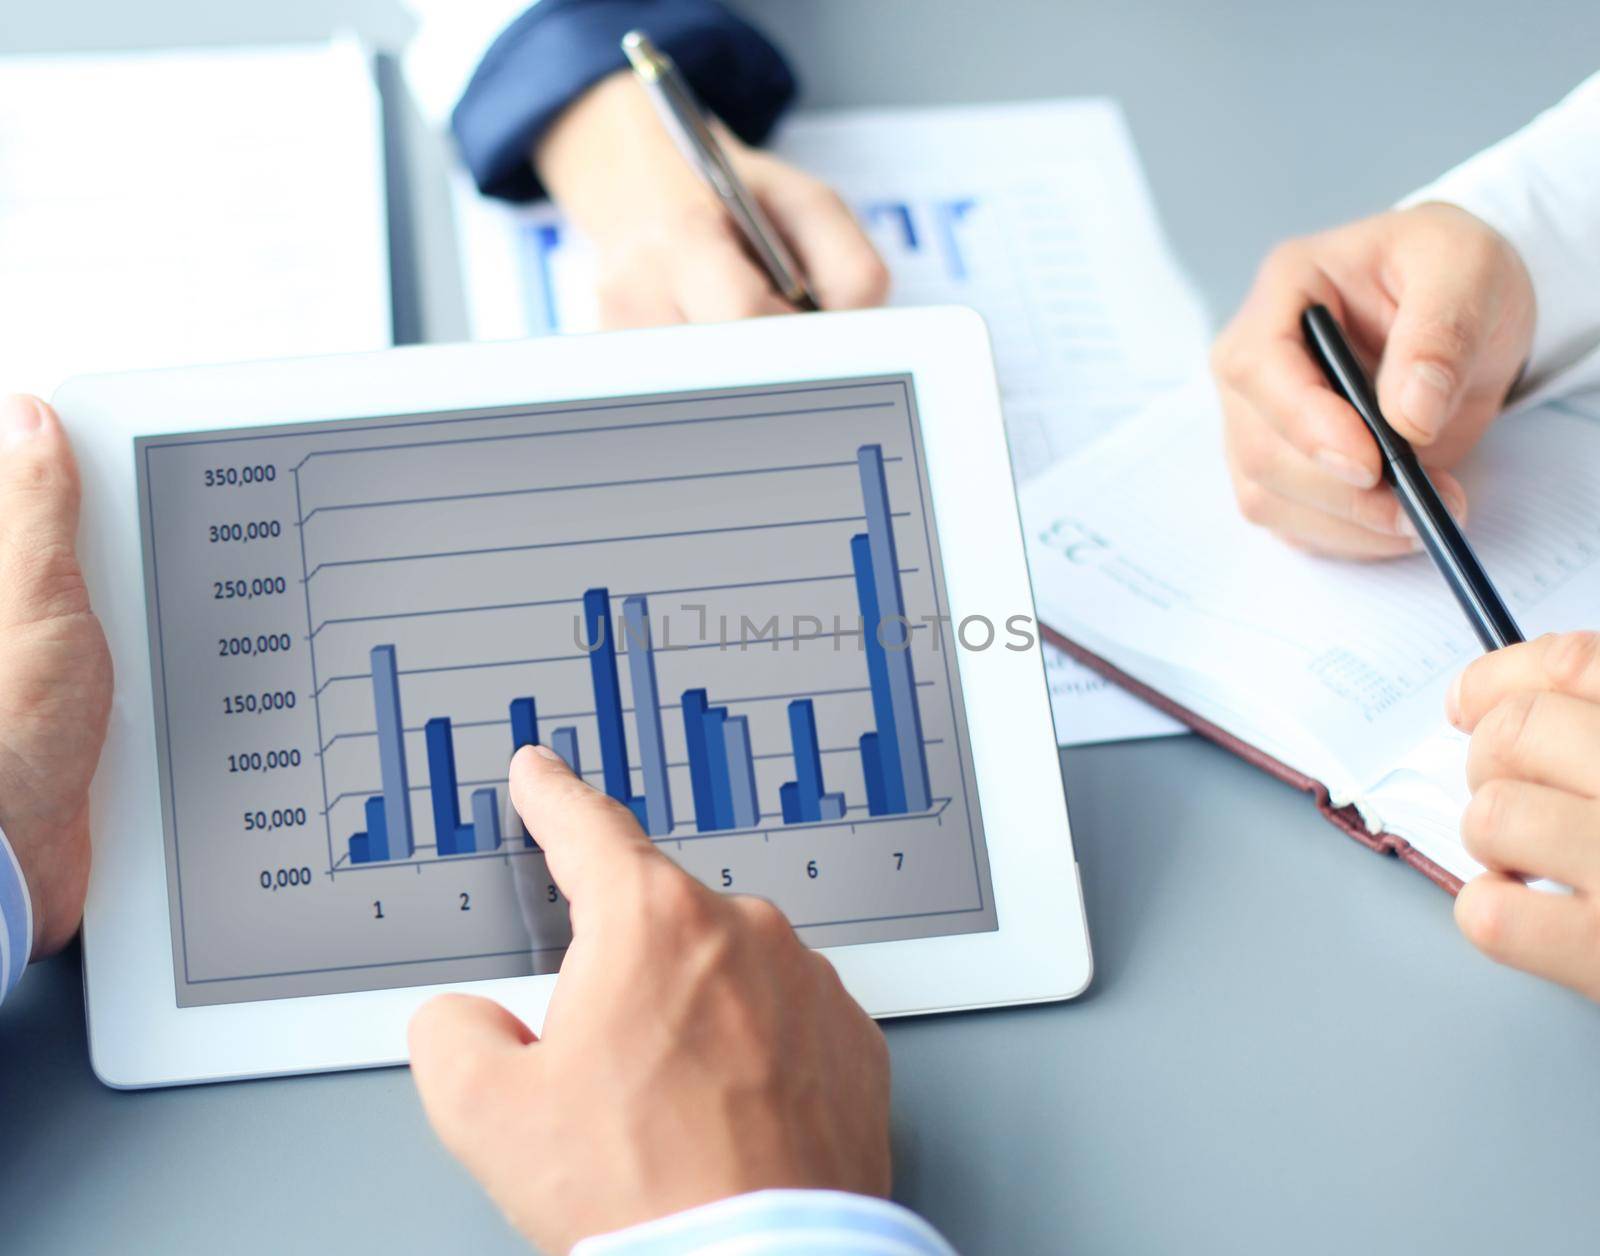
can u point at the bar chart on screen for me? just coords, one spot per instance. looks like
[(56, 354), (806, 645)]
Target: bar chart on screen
[(725, 611)]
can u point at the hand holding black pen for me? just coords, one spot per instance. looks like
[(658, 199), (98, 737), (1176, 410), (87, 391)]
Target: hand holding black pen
[(1441, 536)]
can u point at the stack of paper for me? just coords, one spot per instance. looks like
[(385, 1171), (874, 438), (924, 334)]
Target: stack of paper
[(167, 208)]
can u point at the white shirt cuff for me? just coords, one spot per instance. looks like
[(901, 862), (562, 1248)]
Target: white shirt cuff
[(1540, 189), (778, 1223), (16, 919)]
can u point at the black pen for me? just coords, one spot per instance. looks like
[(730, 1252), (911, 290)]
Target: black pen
[(1441, 537)]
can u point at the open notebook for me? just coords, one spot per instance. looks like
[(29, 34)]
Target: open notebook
[(1330, 674)]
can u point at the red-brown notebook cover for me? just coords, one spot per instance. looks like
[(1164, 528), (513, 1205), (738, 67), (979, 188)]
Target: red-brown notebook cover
[(1346, 819)]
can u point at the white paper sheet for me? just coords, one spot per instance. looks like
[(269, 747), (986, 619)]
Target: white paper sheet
[(1338, 668), (1036, 214), (168, 208)]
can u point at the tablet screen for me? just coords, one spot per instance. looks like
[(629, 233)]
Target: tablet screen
[(724, 608)]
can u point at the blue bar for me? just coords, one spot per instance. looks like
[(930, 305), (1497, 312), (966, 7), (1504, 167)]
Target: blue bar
[(831, 806), (950, 215), (807, 758), (900, 212), (694, 733), (400, 840), (600, 643), (524, 723), (564, 741), (789, 801), (872, 770), (539, 292), (524, 732), (741, 771), (442, 784), (377, 831), (657, 818), (360, 853), (640, 805), (895, 633), (894, 790), (485, 819), (715, 725)]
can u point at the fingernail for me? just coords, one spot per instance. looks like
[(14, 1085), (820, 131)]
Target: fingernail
[(544, 752), (21, 418), (1345, 468), (1452, 703), (1403, 525), (1425, 398)]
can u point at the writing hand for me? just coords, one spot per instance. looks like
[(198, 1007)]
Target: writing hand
[(1445, 308)]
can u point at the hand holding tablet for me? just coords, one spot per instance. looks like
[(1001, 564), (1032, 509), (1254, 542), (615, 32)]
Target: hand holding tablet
[(356, 585)]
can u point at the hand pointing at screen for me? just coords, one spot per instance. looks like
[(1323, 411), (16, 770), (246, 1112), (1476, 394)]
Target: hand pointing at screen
[(694, 1049)]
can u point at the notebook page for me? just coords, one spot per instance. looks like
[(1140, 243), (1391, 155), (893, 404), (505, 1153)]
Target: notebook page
[(1137, 550), (1035, 214), (167, 208)]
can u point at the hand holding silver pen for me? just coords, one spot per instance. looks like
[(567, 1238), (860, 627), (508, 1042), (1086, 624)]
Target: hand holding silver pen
[(681, 114)]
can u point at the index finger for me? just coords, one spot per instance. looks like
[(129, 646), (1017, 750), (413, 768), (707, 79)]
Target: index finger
[(1567, 662), (590, 841), (1264, 359)]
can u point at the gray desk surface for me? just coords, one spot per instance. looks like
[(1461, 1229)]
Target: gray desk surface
[(1287, 1046)]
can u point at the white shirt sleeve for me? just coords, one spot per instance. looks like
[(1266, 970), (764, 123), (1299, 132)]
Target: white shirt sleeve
[(778, 1223), (1540, 189)]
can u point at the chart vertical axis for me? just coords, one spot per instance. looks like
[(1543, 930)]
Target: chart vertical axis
[(311, 654)]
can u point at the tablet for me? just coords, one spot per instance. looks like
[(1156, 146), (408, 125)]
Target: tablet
[(764, 582)]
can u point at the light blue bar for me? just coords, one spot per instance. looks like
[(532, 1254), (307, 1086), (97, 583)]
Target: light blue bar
[(647, 717), (564, 741), (831, 806), (741, 772), (486, 819), (715, 724), (392, 753), (895, 632)]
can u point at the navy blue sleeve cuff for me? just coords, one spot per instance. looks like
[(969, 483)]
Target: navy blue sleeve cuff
[(556, 50)]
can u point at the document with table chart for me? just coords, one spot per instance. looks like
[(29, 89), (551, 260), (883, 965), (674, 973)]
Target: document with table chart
[(1036, 214), (1336, 669), (168, 208)]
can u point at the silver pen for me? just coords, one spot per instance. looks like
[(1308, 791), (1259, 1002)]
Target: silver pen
[(686, 122)]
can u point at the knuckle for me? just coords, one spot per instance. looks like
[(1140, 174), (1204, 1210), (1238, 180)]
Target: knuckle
[(867, 283), (1484, 918), (1572, 662), (676, 897), (1252, 449), (1288, 258), (42, 477), (765, 919), (1226, 363), (1444, 339), (43, 577), (1488, 818), (1256, 504), (1509, 728)]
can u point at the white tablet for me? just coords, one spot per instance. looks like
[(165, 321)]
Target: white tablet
[(341, 591)]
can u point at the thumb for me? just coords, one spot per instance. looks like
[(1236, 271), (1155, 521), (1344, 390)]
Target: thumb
[(1434, 347), (39, 497), (458, 1042)]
